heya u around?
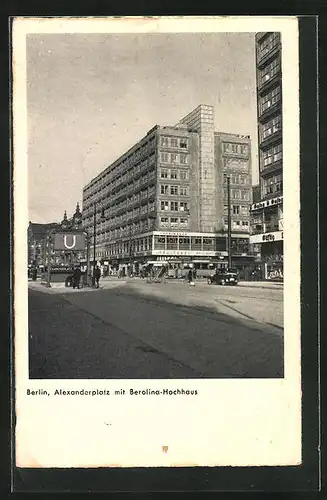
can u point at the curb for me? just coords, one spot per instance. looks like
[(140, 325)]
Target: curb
[(269, 286)]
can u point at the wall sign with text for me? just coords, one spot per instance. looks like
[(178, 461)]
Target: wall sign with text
[(267, 237)]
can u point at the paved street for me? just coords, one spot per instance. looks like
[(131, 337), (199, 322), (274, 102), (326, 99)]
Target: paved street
[(135, 329)]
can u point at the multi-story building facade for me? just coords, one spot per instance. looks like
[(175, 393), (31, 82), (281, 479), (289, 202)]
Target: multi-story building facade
[(267, 214), (164, 198), (256, 196), (37, 238), (233, 160), (36, 242)]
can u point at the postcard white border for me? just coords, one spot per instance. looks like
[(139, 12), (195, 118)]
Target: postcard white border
[(230, 422)]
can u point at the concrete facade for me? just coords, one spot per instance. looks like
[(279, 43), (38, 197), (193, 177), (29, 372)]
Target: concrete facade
[(233, 159), (267, 213), (164, 197), (201, 120)]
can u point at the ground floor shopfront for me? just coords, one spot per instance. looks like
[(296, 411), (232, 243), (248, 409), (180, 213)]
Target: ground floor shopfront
[(270, 250), (175, 250)]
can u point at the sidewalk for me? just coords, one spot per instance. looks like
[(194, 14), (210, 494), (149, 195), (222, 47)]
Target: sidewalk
[(113, 281), (61, 288), (274, 285)]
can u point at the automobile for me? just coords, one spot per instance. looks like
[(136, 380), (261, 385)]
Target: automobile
[(223, 277)]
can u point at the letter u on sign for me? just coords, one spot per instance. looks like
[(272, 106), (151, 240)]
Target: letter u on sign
[(69, 241)]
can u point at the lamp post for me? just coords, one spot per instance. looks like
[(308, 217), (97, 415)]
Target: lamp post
[(49, 252), (94, 236), (229, 225), (130, 251), (94, 232)]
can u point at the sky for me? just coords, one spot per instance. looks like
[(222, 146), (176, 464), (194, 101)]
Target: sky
[(90, 97)]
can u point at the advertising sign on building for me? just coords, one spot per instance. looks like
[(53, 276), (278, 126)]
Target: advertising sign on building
[(185, 252), (69, 241), (267, 237), (267, 203)]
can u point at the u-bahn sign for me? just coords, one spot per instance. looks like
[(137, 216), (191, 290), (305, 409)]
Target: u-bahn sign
[(69, 241)]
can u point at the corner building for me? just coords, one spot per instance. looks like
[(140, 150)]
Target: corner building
[(267, 214), (165, 198)]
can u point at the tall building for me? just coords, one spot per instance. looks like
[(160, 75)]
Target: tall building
[(165, 198), (233, 160), (267, 214)]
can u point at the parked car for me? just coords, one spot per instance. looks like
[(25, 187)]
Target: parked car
[(222, 277)]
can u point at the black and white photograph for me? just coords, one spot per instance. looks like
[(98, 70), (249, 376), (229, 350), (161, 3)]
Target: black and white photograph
[(153, 230), (155, 217)]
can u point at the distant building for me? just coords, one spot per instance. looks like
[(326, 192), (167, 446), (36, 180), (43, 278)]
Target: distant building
[(37, 235), (233, 159), (164, 199), (267, 213), (36, 238)]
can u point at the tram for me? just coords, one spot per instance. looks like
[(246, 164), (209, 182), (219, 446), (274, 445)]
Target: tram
[(202, 268)]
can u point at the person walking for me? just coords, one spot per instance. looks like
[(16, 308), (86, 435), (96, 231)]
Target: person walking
[(34, 273), (190, 276), (76, 277), (97, 275)]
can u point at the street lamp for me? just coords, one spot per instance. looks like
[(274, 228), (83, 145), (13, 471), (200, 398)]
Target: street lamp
[(94, 232), (94, 235), (130, 250), (229, 225)]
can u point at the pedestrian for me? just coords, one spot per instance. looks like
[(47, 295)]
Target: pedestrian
[(76, 276), (97, 275), (34, 273), (190, 276)]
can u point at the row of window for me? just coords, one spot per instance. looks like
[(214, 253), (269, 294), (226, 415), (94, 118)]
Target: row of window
[(269, 71), (128, 189), (174, 221), (143, 150), (237, 209), (176, 174), (174, 158), (271, 98), (273, 154), (238, 194), (271, 127), (232, 147), (146, 209), (174, 206), (127, 162), (126, 231), (237, 179), (237, 223), (267, 44), (127, 204), (273, 184), (174, 190), (185, 240), (128, 177), (174, 142), (173, 243), (236, 164)]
